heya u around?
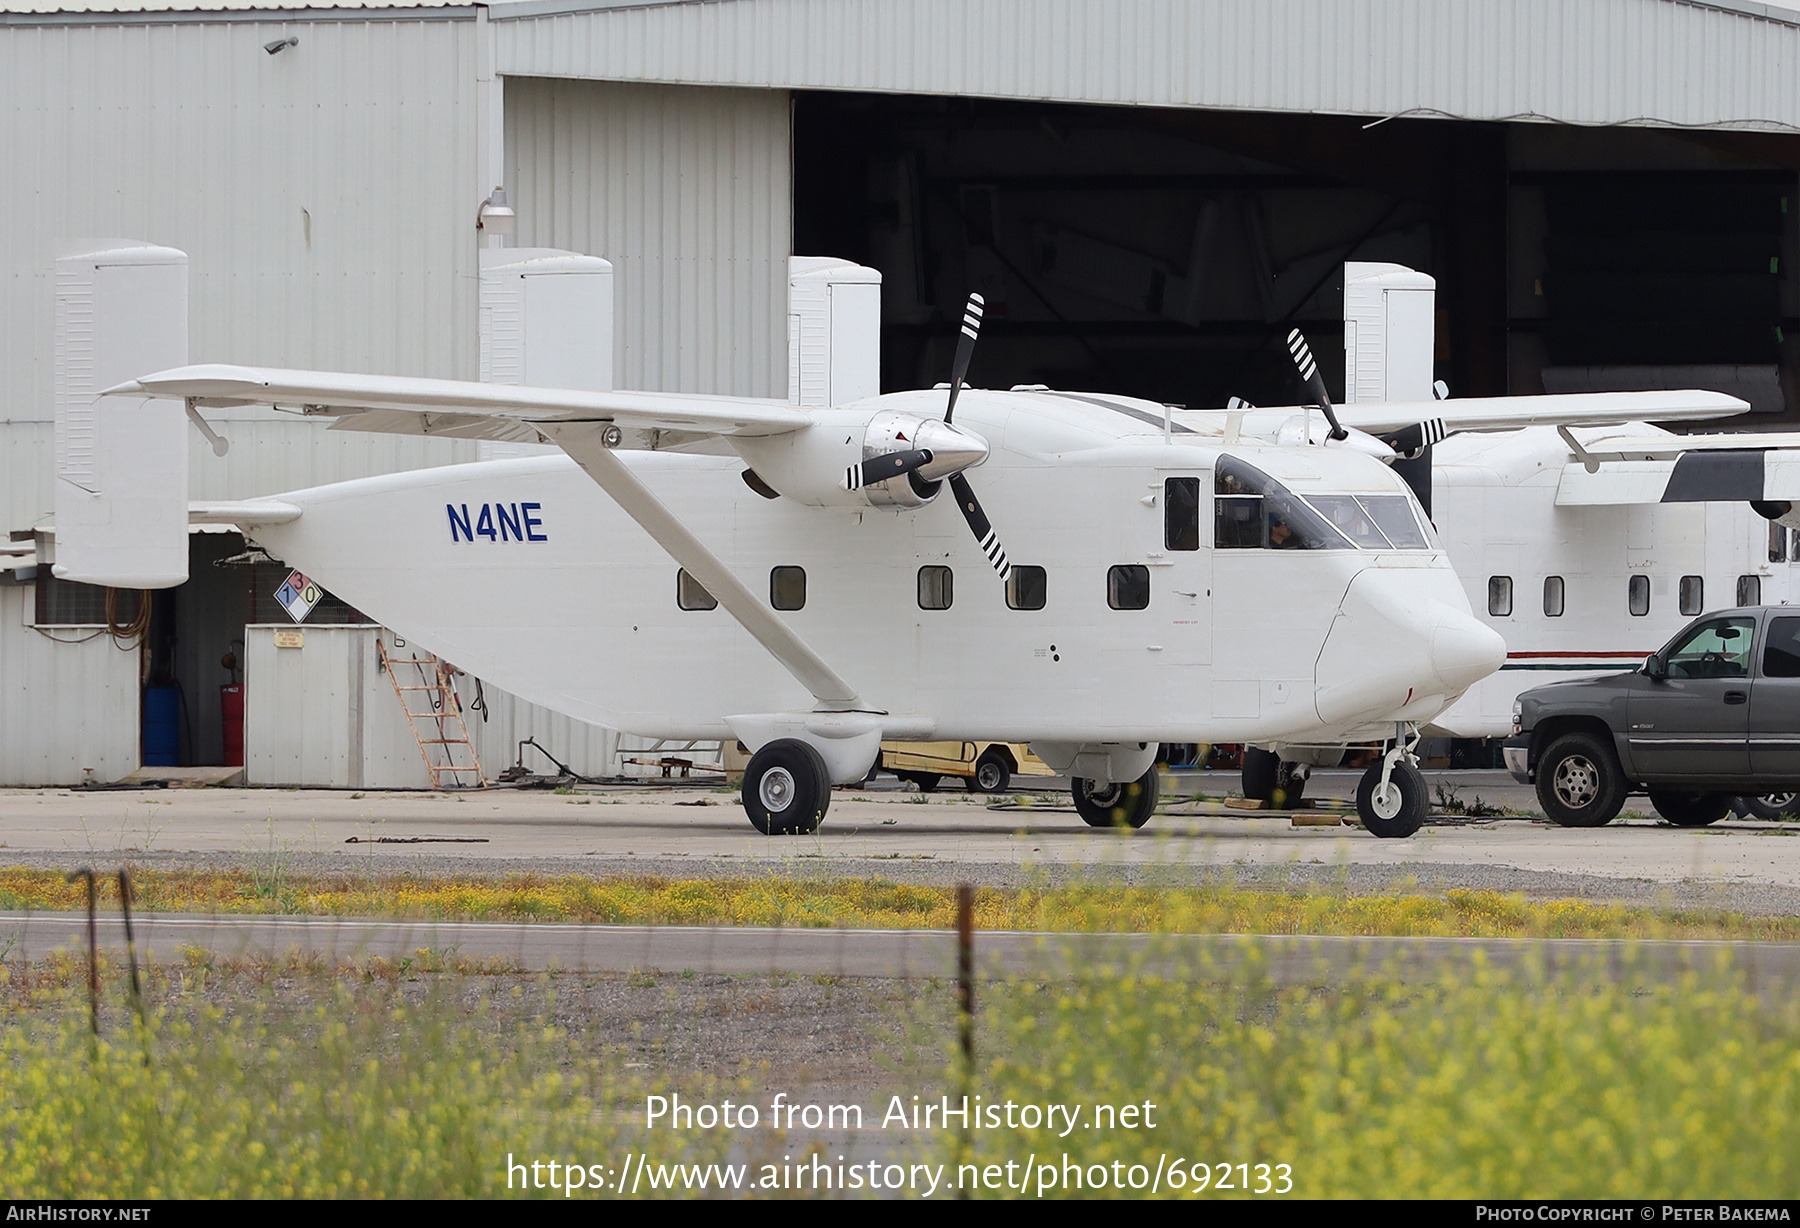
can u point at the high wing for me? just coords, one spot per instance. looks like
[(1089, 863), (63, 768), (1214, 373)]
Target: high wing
[(1644, 465), (576, 421), (1440, 418), (460, 409)]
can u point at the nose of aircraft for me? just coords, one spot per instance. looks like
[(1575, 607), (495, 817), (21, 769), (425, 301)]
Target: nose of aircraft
[(1401, 635), (1465, 650)]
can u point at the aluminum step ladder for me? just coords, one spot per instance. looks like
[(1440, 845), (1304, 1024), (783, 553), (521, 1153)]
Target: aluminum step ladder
[(423, 681)]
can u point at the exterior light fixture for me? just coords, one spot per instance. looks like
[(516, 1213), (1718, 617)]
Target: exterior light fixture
[(496, 217), (280, 44)]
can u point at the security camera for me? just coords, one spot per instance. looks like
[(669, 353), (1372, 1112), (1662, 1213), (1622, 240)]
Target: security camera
[(279, 44)]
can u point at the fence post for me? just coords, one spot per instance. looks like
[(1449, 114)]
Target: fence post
[(93, 935), (137, 990), (965, 977)]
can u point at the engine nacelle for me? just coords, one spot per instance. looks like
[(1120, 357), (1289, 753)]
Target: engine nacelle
[(808, 466)]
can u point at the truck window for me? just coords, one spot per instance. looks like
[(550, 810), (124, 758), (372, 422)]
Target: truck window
[(1781, 659), (1716, 649)]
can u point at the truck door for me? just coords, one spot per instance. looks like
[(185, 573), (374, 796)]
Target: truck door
[(1696, 720), (1775, 703)]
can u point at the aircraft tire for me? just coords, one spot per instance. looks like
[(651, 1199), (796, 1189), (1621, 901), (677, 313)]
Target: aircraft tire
[(1690, 809), (1579, 781), (1402, 812), (1261, 771), (1767, 806), (787, 789), (1117, 805), (991, 774)]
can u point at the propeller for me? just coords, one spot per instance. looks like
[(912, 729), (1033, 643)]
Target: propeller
[(889, 465), (965, 350), (1315, 383)]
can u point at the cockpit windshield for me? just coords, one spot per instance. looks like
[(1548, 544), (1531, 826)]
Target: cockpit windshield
[(1253, 511)]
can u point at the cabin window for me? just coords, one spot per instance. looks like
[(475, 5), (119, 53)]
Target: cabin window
[(937, 588), (1781, 658), (1553, 596), (1500, 596), (1026, 588), (1637, 596), (1778, 543), (1128, 587), (787, 588), (1749, 590), (690, 594), (1252, 511), (1693, 594), (1181, 514)]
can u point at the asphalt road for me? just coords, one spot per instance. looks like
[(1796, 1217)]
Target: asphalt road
[(1773, 968), (946, 837)]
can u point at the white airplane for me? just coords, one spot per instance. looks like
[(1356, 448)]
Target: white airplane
[(712, 567)]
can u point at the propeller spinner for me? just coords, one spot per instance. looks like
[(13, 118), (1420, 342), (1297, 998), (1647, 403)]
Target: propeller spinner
[(941, 451)]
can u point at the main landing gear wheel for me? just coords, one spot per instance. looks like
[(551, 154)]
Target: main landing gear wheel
[(1400, 809), (786, 789), (1690, 809), (1269, 778), (992, 775), (1117, 805), (1579, 781)]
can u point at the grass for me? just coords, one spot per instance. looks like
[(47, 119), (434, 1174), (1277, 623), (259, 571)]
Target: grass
[(876, 903), (362, 1094), (1477, 1086)]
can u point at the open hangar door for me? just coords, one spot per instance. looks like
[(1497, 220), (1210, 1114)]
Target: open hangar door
[(1165, 253)]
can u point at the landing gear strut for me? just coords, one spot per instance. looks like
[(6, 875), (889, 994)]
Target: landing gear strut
[(1392, 800)]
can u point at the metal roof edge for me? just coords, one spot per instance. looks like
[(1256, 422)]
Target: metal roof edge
[(256, 16), (1745, 8), (511, 10)]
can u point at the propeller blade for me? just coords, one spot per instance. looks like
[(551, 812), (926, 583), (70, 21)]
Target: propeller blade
[(1315, 383), (970, 507), (1411, 441), (965, 349), (888, 465)]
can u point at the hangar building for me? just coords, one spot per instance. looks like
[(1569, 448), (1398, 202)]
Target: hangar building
[(1149, 193)]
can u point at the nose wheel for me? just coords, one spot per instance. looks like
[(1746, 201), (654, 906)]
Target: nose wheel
[(1392, 800)]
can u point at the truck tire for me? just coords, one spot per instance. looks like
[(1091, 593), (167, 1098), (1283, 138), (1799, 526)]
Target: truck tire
[(1580, 782), (1690, 809), (991, 774)]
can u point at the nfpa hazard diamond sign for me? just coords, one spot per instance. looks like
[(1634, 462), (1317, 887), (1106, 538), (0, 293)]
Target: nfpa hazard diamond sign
[(298, 596)]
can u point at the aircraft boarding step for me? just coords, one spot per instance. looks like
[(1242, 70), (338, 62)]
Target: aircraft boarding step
[(444, 717)]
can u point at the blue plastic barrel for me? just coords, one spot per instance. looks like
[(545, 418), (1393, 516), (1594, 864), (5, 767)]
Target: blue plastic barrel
[(162, 726)]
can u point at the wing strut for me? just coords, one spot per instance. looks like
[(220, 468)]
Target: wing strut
[(581, 440)]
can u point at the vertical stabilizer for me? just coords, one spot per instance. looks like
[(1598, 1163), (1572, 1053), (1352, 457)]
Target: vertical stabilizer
[(1389, 333), (121, 462), (834, 331), (547, 322)]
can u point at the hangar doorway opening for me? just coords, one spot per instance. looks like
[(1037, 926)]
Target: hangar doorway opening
[(1165, 253)]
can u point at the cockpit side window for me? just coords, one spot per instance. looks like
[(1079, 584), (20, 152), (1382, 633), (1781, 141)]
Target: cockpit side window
[(1253, 511)]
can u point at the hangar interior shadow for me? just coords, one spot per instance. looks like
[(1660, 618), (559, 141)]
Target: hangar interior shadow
[(1165, 253)]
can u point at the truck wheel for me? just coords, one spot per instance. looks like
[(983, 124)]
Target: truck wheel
[(786, 789), (991, 774), (1400, 811), (1117, 805), (1579, 781), (1769, 806), (1690, 809)]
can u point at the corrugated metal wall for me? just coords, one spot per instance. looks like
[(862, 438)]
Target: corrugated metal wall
[(688, 192), (325, 196), (68, 700), (1575, 61)]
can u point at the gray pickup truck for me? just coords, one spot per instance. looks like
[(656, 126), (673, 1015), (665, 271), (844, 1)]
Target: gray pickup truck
[(1713, 715)]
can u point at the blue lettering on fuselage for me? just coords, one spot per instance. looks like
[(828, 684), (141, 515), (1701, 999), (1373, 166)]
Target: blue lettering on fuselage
[(498, 522)]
